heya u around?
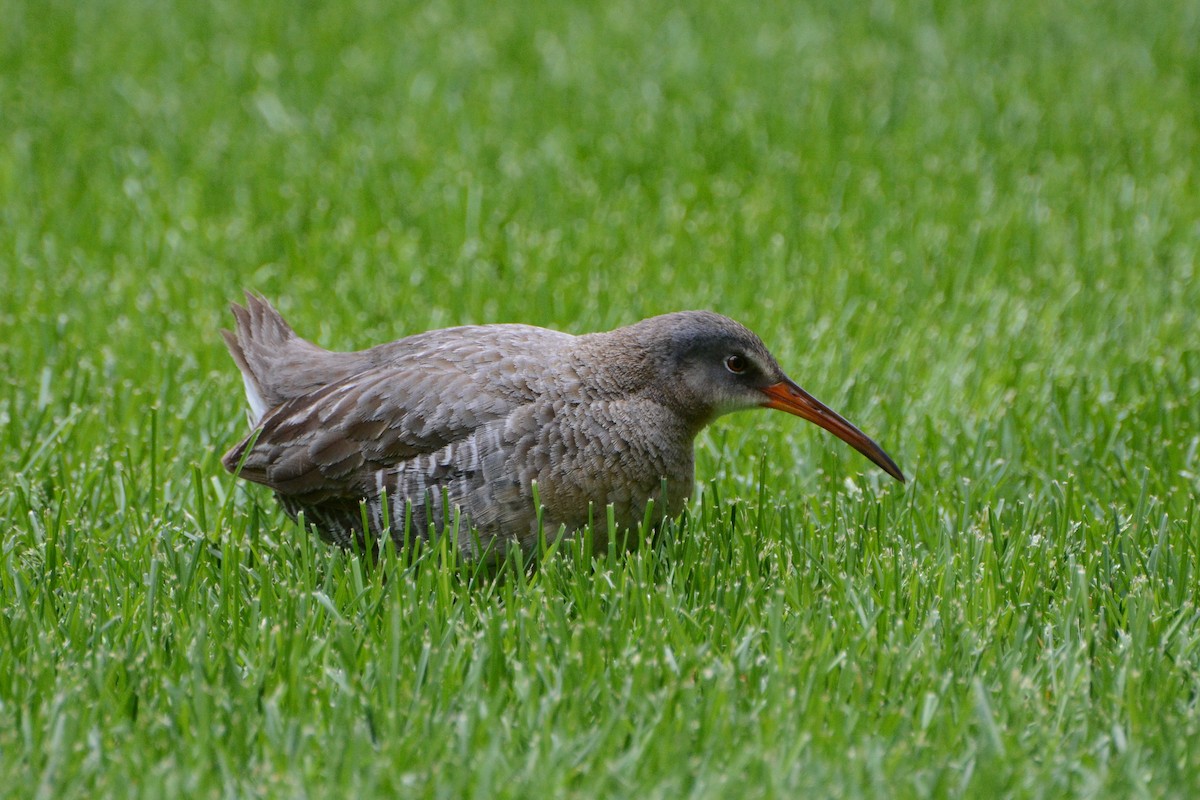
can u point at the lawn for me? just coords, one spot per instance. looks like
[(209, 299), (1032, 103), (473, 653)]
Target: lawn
[(970, 227)]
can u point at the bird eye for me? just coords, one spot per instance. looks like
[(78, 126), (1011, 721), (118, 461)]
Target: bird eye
[(736, 364)]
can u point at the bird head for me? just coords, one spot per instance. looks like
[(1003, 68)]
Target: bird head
[(715, 366)]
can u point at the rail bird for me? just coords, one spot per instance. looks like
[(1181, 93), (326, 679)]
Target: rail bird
[(459, 430)]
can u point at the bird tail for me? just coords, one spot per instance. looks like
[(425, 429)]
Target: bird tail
[(274, 361)]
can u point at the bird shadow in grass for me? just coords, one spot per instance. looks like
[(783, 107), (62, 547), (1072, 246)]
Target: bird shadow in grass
[(566, 555), (579, 550)]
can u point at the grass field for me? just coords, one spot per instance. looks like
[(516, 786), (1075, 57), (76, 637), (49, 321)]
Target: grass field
[(970, 227)]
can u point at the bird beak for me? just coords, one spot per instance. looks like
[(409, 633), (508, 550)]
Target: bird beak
[(787, 396)]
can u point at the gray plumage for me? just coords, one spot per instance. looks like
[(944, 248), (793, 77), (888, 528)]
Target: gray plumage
[(464, 421)]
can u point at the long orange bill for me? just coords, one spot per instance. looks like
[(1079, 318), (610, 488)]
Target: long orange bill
[(787, 396)]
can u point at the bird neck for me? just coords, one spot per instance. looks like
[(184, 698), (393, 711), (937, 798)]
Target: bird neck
[(617, 365)]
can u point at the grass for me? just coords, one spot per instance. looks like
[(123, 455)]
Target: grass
[(970, 227)]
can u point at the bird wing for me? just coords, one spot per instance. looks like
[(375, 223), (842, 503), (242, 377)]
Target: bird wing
[(424, 392)]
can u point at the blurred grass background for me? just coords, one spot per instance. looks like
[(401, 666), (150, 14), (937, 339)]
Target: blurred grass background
[(971, 227)]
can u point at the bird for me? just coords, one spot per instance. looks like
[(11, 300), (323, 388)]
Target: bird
[(501, 434)]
